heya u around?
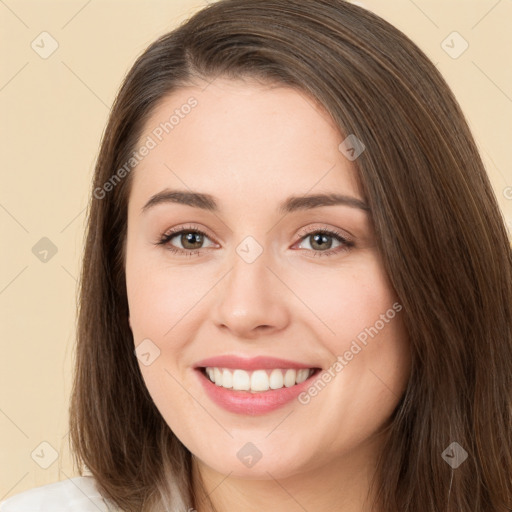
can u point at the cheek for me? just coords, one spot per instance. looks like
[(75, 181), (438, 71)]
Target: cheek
[(159, 296), (365, 336), (347, 300), (360, 321), (159, 299)]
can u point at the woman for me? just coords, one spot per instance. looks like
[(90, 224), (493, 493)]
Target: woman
[(296, 289)]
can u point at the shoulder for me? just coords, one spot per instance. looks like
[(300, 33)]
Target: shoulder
[(78, 494)]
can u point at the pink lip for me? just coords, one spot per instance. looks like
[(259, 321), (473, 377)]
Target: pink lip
[(249, 364), (252, 404)]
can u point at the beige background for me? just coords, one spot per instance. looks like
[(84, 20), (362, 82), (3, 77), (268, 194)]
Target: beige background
[(53, 112)]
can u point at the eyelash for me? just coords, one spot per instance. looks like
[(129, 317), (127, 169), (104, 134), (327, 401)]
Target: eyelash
[(169, 235)]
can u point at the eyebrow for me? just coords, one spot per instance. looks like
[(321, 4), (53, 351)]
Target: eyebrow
[(290, 205)]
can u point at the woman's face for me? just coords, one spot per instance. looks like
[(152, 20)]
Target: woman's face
[(274, 283)]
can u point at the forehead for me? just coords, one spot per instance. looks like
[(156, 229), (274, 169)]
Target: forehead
[(242, 141)]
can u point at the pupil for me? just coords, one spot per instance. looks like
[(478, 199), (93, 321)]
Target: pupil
[(189, 238), (319, 238)]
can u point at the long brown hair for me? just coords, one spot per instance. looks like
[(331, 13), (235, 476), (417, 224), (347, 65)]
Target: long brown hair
[(438, 226)]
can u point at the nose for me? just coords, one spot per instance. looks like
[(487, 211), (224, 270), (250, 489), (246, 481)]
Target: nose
[(251, 300)]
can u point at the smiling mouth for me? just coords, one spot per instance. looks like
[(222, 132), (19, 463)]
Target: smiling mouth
[(257, 381)]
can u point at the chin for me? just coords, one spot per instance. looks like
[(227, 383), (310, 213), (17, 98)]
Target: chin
[(269, 467)]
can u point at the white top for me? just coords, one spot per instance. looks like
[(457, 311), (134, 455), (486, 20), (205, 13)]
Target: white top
[(78, 494)]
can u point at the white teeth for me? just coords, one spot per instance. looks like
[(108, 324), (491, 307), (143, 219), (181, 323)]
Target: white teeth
[(276, 379), (302, 375), (227, 379), (241, 380), (217, 374), (258, 380), (289, 378)]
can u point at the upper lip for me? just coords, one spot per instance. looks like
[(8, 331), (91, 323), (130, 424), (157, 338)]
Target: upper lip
[(252, 363)]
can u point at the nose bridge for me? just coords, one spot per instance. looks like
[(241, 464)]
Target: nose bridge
[(251, 296), (248, 283), (249, 267)]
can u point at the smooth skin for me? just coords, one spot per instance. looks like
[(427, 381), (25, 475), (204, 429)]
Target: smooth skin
[(251, 146)]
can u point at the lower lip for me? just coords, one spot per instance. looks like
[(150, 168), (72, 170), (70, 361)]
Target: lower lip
[(252, 404)]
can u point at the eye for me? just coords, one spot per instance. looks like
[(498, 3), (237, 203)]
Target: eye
[(190, 238), (322, 239)]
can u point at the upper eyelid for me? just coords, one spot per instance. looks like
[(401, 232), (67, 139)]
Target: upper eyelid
[(331, 231), (176, 231)]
